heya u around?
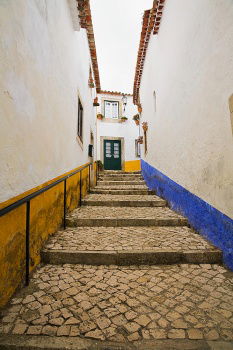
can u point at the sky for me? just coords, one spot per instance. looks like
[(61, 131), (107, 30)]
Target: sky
[(117, 28)]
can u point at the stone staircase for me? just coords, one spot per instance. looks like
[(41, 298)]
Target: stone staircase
[(145, 222), (128, 272)]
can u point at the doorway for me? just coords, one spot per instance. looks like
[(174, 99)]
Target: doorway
[(112, 154)]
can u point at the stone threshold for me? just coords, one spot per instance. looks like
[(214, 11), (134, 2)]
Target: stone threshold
[(132, 257), (28, 342)]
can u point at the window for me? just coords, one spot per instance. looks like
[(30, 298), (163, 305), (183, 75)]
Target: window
[(145, 141), (137, 148), (154, 98), (111, 109), (80, 120), (231, 111)]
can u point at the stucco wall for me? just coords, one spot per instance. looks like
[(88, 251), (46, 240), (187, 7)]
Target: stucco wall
[(189, 65), (127, 130), (44, 65)]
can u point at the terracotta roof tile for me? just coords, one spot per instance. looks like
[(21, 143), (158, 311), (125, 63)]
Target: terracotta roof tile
[(114, 93), (86, 22), (151, 22)]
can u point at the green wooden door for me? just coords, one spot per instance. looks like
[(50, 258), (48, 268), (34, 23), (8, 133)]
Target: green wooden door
[(112, 155)]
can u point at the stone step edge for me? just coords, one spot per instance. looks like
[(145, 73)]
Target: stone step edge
[(120, 191), (132, 257), (35, 342), (117, 188), (125, 222), (122, 176), (113, 172), (126, 203), (120, 183)]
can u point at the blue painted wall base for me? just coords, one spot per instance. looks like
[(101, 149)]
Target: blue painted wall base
[(205, 219)]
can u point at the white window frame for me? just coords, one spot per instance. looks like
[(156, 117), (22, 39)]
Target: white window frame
[(111, 108)]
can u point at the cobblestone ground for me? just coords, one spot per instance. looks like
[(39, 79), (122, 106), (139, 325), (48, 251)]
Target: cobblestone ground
[(128, 238), (123, 212), (130, 197), (125, 304)]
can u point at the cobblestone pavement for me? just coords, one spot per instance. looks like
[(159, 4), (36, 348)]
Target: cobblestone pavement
[(127, 238), (130, 197), (122, 212), (125, 304)]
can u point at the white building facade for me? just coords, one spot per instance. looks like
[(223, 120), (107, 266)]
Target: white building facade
[(44, 74), (183, 83), (48, 81), (117, 133)]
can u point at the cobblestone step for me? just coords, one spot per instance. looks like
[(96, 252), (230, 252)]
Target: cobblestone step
[(129, 245), (128, 238), (29, 342), (121, 191), (116, 172), (122, 187), (130, 305), (97, 222), (123, 216), (121, 177), (132, 257), (120, 183), (123, 201)]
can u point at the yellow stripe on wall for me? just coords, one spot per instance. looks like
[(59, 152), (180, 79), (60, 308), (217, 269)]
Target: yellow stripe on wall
[(132, 165), (46, 218)]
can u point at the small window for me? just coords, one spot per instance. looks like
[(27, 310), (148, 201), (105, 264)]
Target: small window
[(111, 109), (145, 141), (137, 149), (154, 98), (231, 111), (145, 128), (80, 120)]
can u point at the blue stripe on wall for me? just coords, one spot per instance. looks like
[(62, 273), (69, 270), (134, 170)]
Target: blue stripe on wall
[(205, 219)]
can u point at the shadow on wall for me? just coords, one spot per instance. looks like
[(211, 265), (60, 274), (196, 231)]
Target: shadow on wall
[(208, 221)]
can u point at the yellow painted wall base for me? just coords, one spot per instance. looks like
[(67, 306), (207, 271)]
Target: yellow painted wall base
[(132, 165), (46, 218)]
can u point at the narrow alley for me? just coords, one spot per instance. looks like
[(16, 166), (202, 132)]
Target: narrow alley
[(116, 175)]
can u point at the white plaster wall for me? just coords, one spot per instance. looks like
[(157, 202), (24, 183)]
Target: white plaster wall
[(44, 65), (128, 130), (190, 66)]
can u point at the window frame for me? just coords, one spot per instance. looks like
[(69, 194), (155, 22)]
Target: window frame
[(137, 149), (80, 120), (145, 141), (118, 109)]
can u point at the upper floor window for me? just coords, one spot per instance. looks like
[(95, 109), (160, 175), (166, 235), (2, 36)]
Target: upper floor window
[(154, 98), (80, 120), (111, 109)]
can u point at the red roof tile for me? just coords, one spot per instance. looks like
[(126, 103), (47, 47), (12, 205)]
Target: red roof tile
[(151, 22), (86, 22), (114, 93)]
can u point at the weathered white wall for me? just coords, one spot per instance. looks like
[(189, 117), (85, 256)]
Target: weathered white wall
[(128, 130), (44, 65), (189, 65)]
